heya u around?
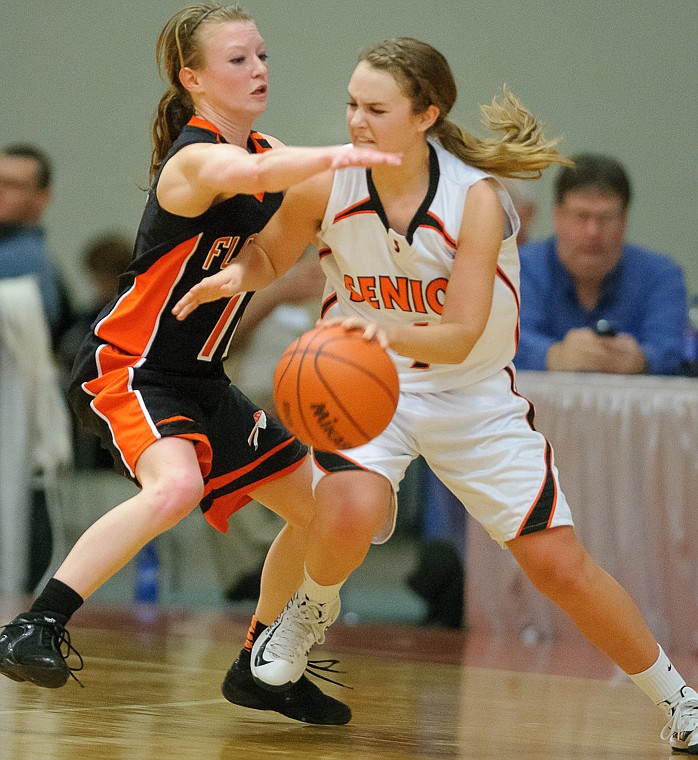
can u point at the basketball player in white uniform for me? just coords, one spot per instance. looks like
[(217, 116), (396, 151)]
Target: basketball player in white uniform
[(402, 276), (423, 257)]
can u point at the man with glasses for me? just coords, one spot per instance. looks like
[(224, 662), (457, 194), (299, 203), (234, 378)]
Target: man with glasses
[(25, 192), (590, 301)]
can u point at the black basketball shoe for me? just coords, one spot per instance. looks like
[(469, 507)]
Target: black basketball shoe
[(303, 701), (30, 650)]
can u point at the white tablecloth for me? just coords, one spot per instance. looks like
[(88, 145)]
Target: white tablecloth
[(627, 452)]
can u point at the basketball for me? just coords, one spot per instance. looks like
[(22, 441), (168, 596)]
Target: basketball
[(334, 390)]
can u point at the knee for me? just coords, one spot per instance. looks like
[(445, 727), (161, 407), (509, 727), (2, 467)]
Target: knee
[(174, 497), (351, 521), (561, 574)]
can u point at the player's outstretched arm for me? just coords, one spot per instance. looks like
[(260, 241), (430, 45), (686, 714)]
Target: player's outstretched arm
[(201, 174), (278, 246), (225, 170)]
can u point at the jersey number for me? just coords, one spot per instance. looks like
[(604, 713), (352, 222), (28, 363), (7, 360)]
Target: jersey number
[(214, 339)]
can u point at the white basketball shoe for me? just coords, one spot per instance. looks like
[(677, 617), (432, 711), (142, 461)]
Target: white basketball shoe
[(682, 729), (280, 654)]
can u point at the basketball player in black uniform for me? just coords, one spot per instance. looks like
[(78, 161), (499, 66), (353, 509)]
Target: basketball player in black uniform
[(154, 389)]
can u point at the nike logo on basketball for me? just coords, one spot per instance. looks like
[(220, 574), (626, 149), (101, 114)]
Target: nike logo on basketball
[(326, 422)]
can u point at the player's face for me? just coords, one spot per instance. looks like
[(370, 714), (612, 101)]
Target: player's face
[(235, 75), (590, 227), (379, 114)]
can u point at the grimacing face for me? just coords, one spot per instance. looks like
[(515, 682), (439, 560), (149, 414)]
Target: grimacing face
[(379, 114), (590, 225)]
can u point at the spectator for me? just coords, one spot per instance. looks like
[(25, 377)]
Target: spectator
[(104, 259), (25, 192), (587, 273)]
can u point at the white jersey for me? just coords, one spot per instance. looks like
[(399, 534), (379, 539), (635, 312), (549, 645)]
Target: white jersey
[(376, 273)]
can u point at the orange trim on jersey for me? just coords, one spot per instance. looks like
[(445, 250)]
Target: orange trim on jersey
[(354, 209), (109, 358), (134, 319), (533, 506), (440, 228), (261, 145), (322, 252), (327, 304), (224, 506), (548, 455), (197, 121)]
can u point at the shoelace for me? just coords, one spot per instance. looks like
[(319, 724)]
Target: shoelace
[(684, 719), (302, 626), (60, 636), (326, 666)]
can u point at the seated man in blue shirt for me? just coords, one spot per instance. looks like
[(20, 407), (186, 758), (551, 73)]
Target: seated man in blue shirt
[(589, 300)]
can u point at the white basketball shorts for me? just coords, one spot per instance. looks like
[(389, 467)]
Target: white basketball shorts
[(480, 442)]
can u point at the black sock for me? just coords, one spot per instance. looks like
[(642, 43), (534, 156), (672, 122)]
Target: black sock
[(258, 628), (253, 633), (59, 599)]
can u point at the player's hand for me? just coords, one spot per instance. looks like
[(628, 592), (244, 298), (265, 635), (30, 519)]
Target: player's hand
[(347, 155), (223, 284), (370, 330)]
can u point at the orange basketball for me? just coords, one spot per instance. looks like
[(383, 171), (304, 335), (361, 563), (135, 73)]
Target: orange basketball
[(334, 389)]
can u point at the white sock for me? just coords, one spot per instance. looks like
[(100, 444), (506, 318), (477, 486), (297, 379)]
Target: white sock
[(662, 683), (318, 593)]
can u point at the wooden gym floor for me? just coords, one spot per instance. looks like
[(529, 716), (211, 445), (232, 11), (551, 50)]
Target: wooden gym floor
[(152, 679)]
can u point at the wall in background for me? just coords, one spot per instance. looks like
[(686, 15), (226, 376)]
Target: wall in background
[(79, 79)]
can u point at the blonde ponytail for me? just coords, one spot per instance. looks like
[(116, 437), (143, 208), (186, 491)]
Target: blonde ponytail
[(522, 150), (425, 77)]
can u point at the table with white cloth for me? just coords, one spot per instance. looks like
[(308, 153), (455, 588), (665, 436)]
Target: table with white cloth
[(626, 448)]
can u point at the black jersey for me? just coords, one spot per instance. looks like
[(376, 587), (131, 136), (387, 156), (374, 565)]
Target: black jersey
[(141, 375), (173, 253)]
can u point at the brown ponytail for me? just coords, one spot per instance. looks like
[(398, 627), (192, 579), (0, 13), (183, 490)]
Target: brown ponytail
[(180, 45)]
